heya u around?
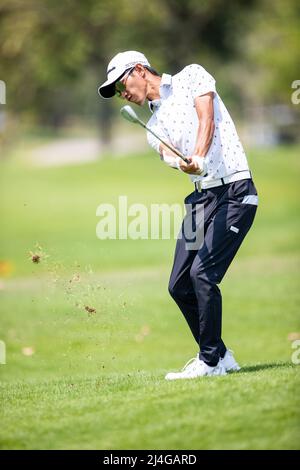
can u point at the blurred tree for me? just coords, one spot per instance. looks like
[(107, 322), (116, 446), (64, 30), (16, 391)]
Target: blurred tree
[(52, 50), (47, 46), (272, 49), (268, 65)]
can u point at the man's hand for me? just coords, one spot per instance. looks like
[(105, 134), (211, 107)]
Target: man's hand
[(195, 167)]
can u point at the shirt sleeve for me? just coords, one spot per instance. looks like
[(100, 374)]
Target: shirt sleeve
[(171, 161), (201, 82), (155, 143)]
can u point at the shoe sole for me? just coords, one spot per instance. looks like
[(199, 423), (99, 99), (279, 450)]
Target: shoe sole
[(224, 372)]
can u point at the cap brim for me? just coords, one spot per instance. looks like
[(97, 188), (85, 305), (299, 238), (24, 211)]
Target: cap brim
[(107, 89)]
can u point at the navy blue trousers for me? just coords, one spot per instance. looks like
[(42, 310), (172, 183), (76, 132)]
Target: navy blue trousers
[(196, 273)]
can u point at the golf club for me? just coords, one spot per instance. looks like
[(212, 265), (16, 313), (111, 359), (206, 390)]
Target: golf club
[(129, 114)]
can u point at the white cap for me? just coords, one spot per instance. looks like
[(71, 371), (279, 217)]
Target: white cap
[(116, 68)]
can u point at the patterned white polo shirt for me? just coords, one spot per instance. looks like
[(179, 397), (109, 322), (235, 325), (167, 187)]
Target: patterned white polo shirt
[(175, 120)]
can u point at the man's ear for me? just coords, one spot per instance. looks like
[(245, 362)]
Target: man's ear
[(140, 69)]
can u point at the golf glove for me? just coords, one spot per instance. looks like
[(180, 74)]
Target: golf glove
[(201, 165), (174, 162)]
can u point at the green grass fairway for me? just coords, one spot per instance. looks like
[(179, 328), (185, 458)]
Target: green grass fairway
[(75, 379)]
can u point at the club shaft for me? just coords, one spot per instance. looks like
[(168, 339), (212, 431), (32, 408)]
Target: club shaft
[(163, 142)]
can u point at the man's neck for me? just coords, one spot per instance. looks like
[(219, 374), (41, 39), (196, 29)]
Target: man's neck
[(153, 87)]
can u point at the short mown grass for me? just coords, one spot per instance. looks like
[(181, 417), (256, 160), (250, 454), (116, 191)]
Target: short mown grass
[(96, 381)]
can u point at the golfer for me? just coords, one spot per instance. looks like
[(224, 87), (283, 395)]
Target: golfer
[(188, 113)]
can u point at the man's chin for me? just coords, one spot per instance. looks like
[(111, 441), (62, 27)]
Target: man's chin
[(140, 102)]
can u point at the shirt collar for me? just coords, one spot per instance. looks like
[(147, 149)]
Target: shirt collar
[(166, 80), (165, 85)]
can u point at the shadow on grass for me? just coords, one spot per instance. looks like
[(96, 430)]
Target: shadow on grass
[(271, 365)]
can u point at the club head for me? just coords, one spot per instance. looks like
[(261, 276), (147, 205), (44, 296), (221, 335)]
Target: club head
[(128, 113)]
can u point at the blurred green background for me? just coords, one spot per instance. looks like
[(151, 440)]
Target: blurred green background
[(80, 379)]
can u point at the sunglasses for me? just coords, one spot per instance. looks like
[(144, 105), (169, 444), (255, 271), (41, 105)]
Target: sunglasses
[(120, 87)]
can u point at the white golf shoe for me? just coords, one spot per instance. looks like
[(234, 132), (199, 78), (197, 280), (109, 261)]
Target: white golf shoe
[(229, 363), (196, 368)]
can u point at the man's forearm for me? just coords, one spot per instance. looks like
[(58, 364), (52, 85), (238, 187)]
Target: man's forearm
[(204, 136)]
